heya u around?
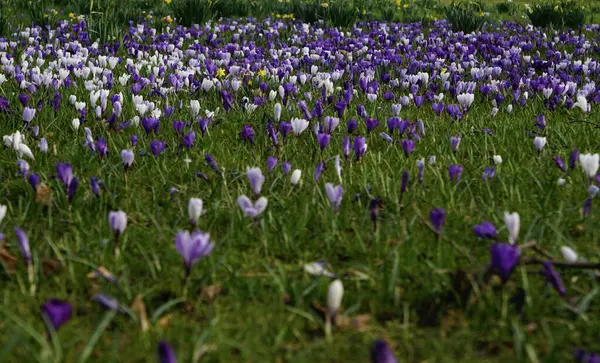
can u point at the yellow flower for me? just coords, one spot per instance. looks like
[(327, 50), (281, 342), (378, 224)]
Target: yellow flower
[(168, 19), (167, 1), (398, 2), (325, 5), (250, 82), (220, 72), (149, 16), (262, 73), (405, 6), (71, 15)]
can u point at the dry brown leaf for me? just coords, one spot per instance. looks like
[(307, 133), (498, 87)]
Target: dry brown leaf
[(139, 308), (101, 271), (43, 195), (51, 267), (9, 261), (164, 321), (359, 322), (210, 292)]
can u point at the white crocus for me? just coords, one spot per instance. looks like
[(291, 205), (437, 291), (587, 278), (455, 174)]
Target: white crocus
[(296, 175), (195, 206), (568, 254), (497, 159), (299, 125), (513, 224), (590, 163)]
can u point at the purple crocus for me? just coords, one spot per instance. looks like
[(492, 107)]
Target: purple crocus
[(346, 147), (256, 179), (371, 124), (107, 302), (157, 147), (437, 217), (117, 222), (286, 167), (408, 146), (95, 186), (212, 163), (334, 194), (72, 189), (581, 356), (188, 139), (178, 127), (23, 245), (64, 173), (24, 99), (420, 170), (573, 159), (485, 230), (34, 180), (102, 147), (318, 170), (560, 163), (57, 312), (540, 122), (323, 140), (28, 114), (360, 147), (247, 133), (193, 247), (23, 167), (150, 124), (166, 353), (504, 258), (455, 171), (352, 125), (381, 353), (454, 143), (587, 207), (553, 278), (488, 173), (271, 163)]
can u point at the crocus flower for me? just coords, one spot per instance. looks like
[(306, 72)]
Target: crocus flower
[(408, 146), (553, 278), (157, 147), (250, 209), (117, 221), (497, 159), (437, 217), (28, 114), (286, 167), (95, 185), (513, 224), (587, 207), (455, 142), (193, 247), (247, 133), (404, 183), (318, 170), (352, 125), (420, 169), (540, 122), (188, 139), (488, 173), (64, 172), (360, 147), (560, 163), (346, 147), (590, 163), (455, 171), (381, 353), (581, 356), (23, 167), (485, 230), (334, 194), (3, 210), (539, 142), (334, 297), (166, 353), (299, 125), (107, 302), (386, 137), (195, 209), (34, 180), (57, 312), (102, 148), (371, 124), (256, 179), (212, 163), (573, 159), (569, 254), (23, 245), (127, 158), (72, 189), (296, 175), (271, 163), (504, 258), (323, 140)]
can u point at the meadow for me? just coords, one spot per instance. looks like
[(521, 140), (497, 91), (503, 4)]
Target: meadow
[(320, 183)]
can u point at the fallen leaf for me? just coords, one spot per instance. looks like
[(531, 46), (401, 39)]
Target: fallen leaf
[(43, 195), (319, 268), (51, 267), (210, 292), (8, 260), (164, 321), (139, 308), (359, 322), (101, 271)]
